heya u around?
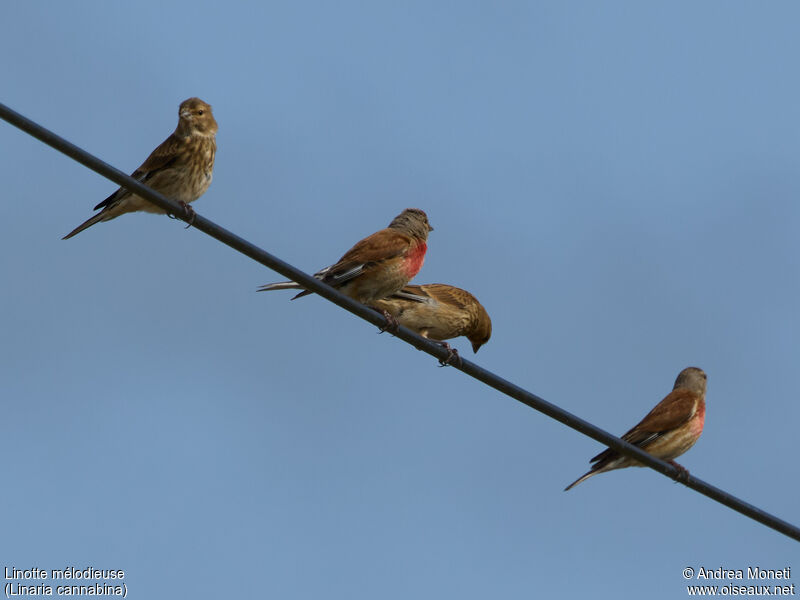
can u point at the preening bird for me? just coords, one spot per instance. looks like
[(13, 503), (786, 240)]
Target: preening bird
[(180, 168), (669, 430), (378, 265), (439, 312)]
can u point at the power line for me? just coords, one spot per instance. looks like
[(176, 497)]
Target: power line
[(366, 313)]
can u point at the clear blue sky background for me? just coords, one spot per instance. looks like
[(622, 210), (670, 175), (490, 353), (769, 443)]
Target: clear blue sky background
[(617, 182)]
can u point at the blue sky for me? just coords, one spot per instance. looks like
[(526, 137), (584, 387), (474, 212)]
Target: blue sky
[(617, 182)]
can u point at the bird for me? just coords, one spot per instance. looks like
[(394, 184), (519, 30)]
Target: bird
[(377, 266), (669, 430), (439, 312), (179, 168)]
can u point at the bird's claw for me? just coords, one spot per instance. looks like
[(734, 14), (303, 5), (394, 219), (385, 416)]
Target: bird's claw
[(453, 358), (392, 326), (683, 473), (188, 213)]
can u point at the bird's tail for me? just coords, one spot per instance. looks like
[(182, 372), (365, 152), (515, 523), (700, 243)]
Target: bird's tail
[(281, 285), (86, 224), (583, 477), (285, 285)]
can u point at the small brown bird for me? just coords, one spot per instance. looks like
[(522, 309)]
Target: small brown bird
[(180, 168), (439, 312), (667, 431), (378, 265)]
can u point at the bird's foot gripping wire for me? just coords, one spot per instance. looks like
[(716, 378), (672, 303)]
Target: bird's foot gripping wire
[(188, 213), (392, 326), (683, 472), (453, 358)]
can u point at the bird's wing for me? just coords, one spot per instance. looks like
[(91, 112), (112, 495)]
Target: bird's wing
[(678, 407), (437, 293), (448, 294), (382, 245), (415, 293), (160, 158), (675, 409)]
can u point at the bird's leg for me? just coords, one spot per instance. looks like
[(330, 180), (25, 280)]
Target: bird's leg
[(392, 326), (452, 358), (683, 472), (188, 213)]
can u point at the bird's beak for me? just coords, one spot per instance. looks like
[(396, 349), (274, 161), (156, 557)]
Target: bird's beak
[(185, 114), (429, 227)]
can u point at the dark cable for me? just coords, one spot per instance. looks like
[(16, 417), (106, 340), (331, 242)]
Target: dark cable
[(432, 348)]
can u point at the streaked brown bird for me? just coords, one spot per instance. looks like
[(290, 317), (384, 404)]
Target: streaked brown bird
[(180, 168), (667, 431), (439, 312), (378, 265)]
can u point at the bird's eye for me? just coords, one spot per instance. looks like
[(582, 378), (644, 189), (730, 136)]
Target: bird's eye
[(200, 112)]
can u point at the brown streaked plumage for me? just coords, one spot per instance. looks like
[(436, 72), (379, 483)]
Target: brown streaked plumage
[(378, 265), (180, 168), (439, 312), (669, 430)]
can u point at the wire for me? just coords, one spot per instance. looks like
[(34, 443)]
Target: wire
[(368, 314)]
